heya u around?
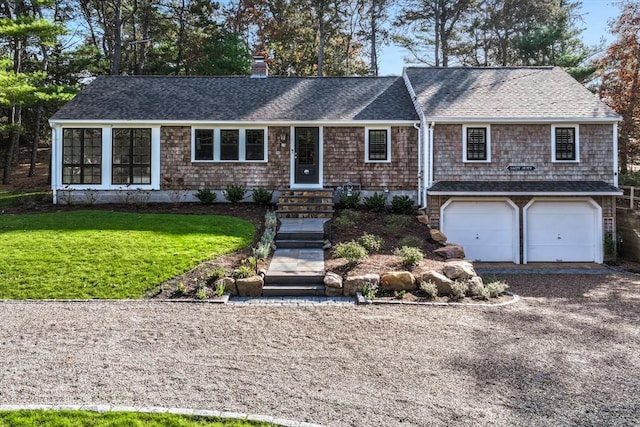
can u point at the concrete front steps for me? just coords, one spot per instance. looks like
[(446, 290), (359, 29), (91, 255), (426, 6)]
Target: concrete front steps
[(305, 204), (297, 266)]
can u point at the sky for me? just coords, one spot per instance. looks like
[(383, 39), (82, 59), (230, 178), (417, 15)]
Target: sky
[(595, 13)]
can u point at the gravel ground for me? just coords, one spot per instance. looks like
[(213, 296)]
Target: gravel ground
[(567, 354)]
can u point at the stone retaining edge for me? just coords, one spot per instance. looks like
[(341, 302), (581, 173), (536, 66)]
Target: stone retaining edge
[(161, 410)]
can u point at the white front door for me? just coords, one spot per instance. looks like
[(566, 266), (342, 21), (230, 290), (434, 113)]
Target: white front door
[(562, 231), (487, 230)]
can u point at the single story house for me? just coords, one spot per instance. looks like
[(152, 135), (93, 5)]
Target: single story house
[(515, 164)]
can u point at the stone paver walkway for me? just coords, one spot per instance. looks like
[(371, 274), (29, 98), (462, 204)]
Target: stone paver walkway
[(299, 261)]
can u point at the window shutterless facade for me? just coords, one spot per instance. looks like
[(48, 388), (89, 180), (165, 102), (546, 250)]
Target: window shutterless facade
[(131, 156), (377, 145), (229, 145), (82, 156), (476, 144), (565, 146)]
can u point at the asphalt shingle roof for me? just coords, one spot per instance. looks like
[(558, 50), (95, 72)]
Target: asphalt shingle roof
[(528, 187), (241, 98), (511, 93)]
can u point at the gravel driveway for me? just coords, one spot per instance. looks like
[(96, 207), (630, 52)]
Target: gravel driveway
[(567, 354)]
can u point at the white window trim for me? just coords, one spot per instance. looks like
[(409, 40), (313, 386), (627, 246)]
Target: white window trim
[(464, 142), (366, 144), (553, 142), (107, 165), (242, 149)]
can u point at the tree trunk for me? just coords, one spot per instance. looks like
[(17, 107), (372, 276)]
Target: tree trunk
[(437, 32), (14, 142), (35, 142), (117, 39), (322, 42), (374, 35)]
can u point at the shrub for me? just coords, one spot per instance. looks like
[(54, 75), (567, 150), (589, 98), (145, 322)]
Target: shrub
[(181, 288), (262, 250), (215, 275), (350, 202), (369, 290), (458, 290), (411, 241), (262, 196), (399, 294), (202, 293), (496, 288), (394, 224), (370, 242), (206, 196), (376, 202), (429, 288), (410, 256), (478, 291), (353, 252), (347, 219), (235, 193), (402, 205), (219, 289), (243, 272), (271, 220)]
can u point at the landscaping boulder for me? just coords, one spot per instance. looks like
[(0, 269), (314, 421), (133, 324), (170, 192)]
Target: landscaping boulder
[(250, 287), (459, 270), (423, 219), (438, 236), (333, 280), (229, 285), (442, 282), (398, 281), (450, 251), (353, 284), (475, 283)]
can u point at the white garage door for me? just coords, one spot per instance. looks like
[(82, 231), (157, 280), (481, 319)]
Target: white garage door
[(486, 230), (562, 231)]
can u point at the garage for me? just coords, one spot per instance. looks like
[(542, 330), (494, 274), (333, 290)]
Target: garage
[(488, 230), (562, 231)]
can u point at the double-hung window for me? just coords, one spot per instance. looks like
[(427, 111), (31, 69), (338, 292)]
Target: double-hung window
[(565, 143), (377, 145), (131, 156), (82, 156), (477, 143), (229, 145)]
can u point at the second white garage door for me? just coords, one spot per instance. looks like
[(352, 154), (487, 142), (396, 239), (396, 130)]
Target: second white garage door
[(562, 231), (487, 230)]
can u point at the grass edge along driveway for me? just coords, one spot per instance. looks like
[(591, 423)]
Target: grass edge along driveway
[(102, 254)]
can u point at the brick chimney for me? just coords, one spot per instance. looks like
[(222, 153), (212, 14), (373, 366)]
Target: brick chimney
[(259, 68)]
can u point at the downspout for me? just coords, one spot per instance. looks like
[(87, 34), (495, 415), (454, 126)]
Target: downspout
[(54, 162), (428, 162), (421, 176), (615, 154)]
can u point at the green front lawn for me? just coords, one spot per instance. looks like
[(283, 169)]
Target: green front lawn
[(100, 254), (111, 419)]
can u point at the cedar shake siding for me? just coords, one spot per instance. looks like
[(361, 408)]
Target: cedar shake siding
[(179, 172), (524, 144), (344, 159)]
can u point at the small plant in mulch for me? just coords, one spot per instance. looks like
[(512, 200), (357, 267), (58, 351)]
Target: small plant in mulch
[(219, 289), (369, 290), (496, 288), (352, 251), (262, 197), (347, 219), (410, 256), (350, 202), (376, 202), (181, 289), (394, 224), (215, 275), (399, 294), (371, 243), (458, 291), (429, 288), (235, 193), (411, 241), (402, 205), (206, 196)]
